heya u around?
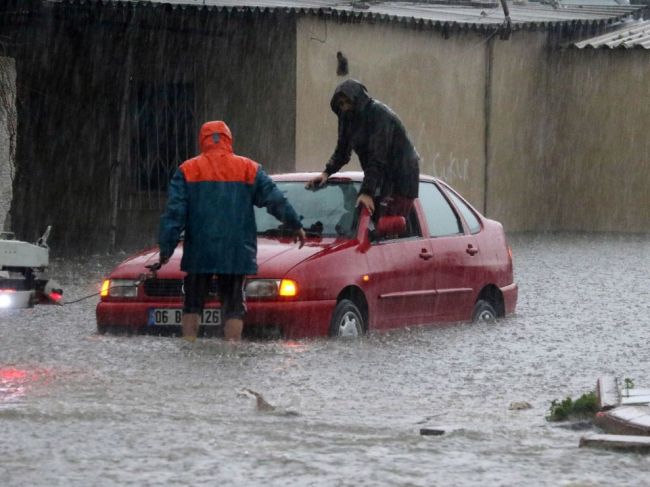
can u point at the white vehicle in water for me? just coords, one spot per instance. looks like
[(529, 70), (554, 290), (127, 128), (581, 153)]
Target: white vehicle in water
[(23, 273)]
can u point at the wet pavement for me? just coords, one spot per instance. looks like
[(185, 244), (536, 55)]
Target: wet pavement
[(77, 408)]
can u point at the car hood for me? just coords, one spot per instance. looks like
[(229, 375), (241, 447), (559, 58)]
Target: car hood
[(275, 257)]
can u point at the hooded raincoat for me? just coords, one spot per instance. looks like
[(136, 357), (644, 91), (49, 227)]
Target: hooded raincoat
[(388, 158), (211, 197)]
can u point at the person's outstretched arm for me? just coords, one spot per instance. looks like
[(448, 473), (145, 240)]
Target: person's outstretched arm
[(268, 195), (343, 150)]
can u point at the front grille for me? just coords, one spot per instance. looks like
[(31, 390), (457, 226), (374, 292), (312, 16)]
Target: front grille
[(171, 287)]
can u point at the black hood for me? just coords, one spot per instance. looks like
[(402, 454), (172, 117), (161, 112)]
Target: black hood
[(355, 91)]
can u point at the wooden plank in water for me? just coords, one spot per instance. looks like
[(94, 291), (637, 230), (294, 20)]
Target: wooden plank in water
[(607, 392), (625, 420), (617, 442)]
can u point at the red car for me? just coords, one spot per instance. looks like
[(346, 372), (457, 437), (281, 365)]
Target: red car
[(444, 263)]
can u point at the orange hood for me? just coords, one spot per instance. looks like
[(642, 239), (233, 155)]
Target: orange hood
[(215, 137)]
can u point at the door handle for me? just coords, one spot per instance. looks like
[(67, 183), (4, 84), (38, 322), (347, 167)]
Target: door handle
[(471, 250), (424, 254)]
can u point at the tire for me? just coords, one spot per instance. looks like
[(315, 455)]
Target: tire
[(347, 320), (483, 312)]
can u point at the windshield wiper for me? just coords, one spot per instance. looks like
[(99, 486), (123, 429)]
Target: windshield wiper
[(274, 232), (285, 232)]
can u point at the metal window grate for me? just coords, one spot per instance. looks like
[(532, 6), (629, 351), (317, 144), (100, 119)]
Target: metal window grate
[(162, 135)]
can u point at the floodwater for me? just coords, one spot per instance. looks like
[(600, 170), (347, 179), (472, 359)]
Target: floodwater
[(81, 409)]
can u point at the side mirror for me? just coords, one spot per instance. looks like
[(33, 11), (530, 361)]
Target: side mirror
[(390, 225)]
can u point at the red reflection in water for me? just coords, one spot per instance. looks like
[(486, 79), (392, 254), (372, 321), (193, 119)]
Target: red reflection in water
[(12, 374), (14, 381), (295, 345)]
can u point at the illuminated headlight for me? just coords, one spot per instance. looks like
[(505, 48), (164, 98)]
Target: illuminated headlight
[(120, 288), (271, 288), (5, 299)]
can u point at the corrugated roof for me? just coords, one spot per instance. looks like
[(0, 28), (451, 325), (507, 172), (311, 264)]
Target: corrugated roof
[(477, 15), (629, 35)]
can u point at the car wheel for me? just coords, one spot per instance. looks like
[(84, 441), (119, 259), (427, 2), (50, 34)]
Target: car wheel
[(347, 320), (484, 312)]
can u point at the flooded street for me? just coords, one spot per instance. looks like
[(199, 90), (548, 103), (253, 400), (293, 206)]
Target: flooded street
[(77, 408)]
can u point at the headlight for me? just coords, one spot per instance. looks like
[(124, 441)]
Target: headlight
[(120, 288), (262, 288), (5, 298), (271, 288)]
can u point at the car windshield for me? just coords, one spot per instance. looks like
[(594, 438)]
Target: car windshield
[(328, 212)]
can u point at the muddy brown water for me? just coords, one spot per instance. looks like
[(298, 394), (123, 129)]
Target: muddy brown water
[(77, 408)]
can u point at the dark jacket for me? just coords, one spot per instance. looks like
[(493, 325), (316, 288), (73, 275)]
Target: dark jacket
[(211, 197), (388, 158)]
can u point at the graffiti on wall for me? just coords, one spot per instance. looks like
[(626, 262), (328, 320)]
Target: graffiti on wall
[(450, 167)]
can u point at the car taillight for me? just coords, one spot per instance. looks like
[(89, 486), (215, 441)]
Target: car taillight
[(56, 297)]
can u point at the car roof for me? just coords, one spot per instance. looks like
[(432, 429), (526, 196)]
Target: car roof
[(354, 176)]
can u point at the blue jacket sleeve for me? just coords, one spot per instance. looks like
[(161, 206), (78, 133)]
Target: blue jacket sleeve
[(172, 223), (268, 195)]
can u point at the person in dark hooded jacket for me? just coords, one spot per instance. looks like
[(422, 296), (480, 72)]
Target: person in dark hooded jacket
[(390, 163)]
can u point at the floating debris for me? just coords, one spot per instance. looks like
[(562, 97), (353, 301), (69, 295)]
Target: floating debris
[(432, 431), (263, 405), (260, 403), (519, 406), (639, 444), (623, 411)]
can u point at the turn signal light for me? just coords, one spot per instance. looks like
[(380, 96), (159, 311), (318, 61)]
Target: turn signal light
[(288, 288), (105, 285)]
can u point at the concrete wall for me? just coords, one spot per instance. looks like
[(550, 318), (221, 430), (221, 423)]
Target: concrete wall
[(536, 137), (8, 125), (602, 107), (522, 183), (436, 86), (569, 146)]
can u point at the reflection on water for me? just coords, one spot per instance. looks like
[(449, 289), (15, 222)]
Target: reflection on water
[(81, 409)]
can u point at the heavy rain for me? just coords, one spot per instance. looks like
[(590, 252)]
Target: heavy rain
[(102, 100)]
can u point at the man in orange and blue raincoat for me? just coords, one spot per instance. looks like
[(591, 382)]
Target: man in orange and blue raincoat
[(211, 198)]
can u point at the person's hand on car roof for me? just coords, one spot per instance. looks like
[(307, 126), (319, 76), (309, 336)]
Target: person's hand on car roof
[(317, 181), (299, 236)]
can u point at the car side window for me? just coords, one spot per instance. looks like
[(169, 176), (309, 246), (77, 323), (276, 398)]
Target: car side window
[(412, 230), (469, 216), (441, 218)]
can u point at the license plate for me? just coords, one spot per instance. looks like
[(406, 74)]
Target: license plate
[(171, 316)]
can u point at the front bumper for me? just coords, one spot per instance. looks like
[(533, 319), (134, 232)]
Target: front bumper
[(295, 319)]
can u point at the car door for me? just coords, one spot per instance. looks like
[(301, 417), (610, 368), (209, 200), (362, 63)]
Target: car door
[(400, 279), (456, 256)]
